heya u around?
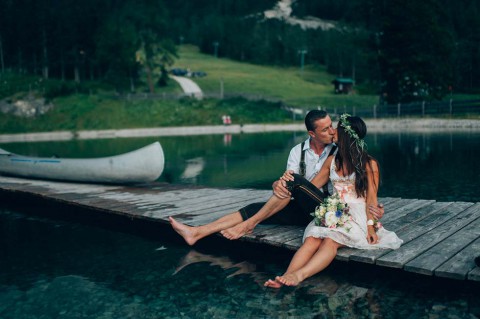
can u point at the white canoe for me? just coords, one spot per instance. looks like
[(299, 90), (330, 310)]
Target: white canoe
[(143, 165)]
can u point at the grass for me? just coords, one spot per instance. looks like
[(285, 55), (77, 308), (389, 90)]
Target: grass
[(92, 105), (308, 88)]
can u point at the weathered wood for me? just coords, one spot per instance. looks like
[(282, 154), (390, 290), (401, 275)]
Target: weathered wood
[(369, 256), (398, 258), (433, 258), (405, 209), (474, 274), (440, 238), (460, 265)]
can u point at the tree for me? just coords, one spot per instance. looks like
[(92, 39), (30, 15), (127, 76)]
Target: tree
[(414, 50)]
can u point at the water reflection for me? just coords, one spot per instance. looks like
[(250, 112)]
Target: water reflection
[(52, 269), (413, 165)]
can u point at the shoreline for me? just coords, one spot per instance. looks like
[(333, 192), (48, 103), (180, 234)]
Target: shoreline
[(374, 125)]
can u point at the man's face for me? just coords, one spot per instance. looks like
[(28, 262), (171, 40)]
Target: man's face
[(324, 131)]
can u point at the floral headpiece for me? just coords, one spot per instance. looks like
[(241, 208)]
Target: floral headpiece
[(350, 131)]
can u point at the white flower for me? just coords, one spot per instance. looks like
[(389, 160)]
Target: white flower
[(330, 219), (332, 208), (320, 211)]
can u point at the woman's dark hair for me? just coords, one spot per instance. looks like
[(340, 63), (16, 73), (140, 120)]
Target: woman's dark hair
[(351, 157)]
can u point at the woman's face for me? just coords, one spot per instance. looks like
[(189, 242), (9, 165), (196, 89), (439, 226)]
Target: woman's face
[(335, 135)]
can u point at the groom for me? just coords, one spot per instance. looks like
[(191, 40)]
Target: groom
[(305, 159)]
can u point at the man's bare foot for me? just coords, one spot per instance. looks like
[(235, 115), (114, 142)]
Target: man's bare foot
[(273, 284), (188, 233), (237, 231), (288, 279)]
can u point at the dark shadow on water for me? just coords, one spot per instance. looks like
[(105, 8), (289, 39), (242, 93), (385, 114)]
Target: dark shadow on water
[(226, 276)]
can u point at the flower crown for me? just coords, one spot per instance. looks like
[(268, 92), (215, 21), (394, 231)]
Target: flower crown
[(348, 128)]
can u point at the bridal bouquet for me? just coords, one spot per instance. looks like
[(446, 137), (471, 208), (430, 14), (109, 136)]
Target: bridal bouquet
[(332, 213)]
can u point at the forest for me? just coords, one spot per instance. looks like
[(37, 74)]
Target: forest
[(405, 50)]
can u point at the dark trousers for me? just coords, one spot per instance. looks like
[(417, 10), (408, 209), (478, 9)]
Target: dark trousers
[(305, 198)]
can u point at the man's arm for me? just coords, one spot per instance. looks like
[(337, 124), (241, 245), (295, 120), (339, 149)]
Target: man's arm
[(293, 163)]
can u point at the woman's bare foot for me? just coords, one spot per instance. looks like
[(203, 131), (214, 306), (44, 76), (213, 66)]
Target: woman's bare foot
[(289, 279), (188, 233), (237, 231), (273, 284)]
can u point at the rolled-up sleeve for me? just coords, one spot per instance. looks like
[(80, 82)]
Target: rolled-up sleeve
[(293, 162)]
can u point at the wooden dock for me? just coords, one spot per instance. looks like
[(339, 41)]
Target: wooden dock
[(440, 238)]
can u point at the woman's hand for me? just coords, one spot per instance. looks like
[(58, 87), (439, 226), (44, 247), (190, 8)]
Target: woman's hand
[(372, 237)]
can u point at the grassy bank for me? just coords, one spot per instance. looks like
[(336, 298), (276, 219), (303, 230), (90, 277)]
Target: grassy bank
[(84, 112), (93, 105)]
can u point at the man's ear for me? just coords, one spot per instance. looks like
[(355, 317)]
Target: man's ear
[(311, 133)]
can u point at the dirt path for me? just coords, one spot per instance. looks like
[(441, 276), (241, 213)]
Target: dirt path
[(188, 86)]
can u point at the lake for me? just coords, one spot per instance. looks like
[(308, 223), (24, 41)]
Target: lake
[(59, 269), (53, 268), (440, 166)]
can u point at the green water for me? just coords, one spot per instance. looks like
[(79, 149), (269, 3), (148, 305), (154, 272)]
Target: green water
[(60, 269), (63, 269), (440, 166)]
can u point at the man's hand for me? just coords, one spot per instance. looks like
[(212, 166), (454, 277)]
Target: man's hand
[(280, 190), (376, 211)]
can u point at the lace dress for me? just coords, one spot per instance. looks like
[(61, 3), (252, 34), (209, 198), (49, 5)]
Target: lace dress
[(356, 237)]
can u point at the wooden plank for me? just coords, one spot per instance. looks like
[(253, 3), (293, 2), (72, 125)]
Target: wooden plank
[(398, 258), (396, 204), (286, 235), (430, 222), (293, 244), (427, 262), (206, 214), (422, 224), (388, 200), (460, 265), (474, 275), (406, 209), (369, 256)]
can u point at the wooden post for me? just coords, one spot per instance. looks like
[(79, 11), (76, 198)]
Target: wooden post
[(398, 110), (423, 109), (451, 108)]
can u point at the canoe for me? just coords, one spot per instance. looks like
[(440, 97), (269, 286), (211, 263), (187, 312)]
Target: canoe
[(142, 165)]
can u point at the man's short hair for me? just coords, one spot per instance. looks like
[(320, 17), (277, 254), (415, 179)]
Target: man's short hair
[(312, 117)]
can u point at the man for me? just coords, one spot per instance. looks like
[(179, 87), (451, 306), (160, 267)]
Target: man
[(305, 159)]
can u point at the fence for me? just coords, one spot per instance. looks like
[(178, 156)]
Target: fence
[(422, 109), (441, 108)]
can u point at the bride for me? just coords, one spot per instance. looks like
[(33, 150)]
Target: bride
[(355, 177)]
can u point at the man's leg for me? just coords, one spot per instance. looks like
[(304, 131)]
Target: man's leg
[(307, 197), (193, 234), (272, 206)]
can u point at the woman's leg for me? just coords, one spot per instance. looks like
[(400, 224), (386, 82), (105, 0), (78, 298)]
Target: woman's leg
[(319, 261), (301, 257), (193, 234)]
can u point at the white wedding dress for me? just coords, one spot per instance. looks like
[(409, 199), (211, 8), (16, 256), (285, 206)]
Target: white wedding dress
[(356, 237)]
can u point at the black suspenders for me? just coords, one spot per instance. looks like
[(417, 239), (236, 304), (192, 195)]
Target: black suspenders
[(303, 166)]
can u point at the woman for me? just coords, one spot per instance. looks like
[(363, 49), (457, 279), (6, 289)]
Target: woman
[(355, 177)]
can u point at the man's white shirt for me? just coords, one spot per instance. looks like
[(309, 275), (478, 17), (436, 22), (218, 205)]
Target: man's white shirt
[(313, 161)]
